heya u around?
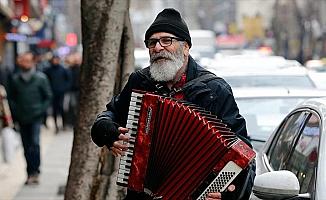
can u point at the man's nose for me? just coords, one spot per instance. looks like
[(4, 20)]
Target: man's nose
[(158, 47)]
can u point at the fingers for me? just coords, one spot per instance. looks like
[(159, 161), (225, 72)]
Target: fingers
[(123, 130), (217, 195), (117, 151), (123, 137), (231, 188), (118, 148), (214, 196)]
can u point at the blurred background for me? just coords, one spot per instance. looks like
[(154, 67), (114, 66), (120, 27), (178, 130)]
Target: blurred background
[(294, 29), (272, 53)]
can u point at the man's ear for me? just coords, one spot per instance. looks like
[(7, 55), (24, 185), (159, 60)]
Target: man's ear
[(186, 49)]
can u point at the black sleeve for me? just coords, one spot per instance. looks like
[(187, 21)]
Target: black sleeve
[(104, 130), (227, 109)]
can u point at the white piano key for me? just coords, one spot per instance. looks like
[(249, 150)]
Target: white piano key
[(136, 104), (124, 167), (133, 113), (135, 99), (132, 140), (136, 94), (131, 126), (132, 118), (130, 154), (124, 171), (132, 122), (123, 181), (122, 176), (126, 158), (134, 108), (122, 162)]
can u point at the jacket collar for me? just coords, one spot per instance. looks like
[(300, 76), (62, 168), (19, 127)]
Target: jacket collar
[(192, 69)]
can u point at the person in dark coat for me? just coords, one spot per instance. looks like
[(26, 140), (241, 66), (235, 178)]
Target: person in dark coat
[(73, 61), (60, 83), (171, 67), (29, 96)]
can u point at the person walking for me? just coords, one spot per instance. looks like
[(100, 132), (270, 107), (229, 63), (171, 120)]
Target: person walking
[(59, 78), (171, 67), (29, 96)]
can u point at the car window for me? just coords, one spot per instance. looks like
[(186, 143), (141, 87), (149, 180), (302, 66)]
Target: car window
[(263, 115), (303, 159), (284, 140)]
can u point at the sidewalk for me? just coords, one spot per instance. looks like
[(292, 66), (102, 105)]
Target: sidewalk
[(55, 152)]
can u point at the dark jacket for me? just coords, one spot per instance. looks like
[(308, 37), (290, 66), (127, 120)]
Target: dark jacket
[(60, 79), (29, 100), (215, 96)]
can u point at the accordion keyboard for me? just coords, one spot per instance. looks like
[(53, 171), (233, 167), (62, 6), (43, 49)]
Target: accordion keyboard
[(132, 124)]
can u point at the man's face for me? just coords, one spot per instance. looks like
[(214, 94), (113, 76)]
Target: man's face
[(166, 61), (55, 60), (26, 61)]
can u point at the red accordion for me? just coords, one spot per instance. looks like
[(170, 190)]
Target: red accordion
[(178, 151)]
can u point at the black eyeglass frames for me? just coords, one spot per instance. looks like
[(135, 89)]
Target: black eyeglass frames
[(164, 41)]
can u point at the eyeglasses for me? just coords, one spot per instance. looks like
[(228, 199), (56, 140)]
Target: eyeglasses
[(164, 41)]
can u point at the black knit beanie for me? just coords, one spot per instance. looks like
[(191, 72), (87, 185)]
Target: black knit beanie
[(170, 21)]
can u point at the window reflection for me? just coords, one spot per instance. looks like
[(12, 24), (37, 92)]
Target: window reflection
[(282, 145), (304, 157)]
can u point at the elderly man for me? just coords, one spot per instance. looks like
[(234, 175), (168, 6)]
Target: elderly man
[(171, 67)]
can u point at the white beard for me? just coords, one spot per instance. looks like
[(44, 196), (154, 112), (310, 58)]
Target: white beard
[(166, 70)]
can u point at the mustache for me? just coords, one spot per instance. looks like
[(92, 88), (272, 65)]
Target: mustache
[(161, 55)]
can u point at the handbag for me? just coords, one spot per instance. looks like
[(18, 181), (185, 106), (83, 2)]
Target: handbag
[(9, 143)]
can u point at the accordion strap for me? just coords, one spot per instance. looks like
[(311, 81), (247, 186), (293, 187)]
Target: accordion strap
[(204, 78)]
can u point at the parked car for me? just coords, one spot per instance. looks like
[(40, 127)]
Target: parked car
[(297, 77), (317, 72), (248, 58), (265, 107), (319, 78), (292, 163)]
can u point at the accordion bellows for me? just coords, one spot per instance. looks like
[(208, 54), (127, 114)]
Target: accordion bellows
[(178, 150)]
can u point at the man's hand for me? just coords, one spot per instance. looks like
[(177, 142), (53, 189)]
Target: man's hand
[(118, 147), (218, 195)]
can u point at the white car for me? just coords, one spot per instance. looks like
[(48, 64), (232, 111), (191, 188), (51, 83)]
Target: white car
[(265, 77), (264, 108), (319, 78), (292, 163)]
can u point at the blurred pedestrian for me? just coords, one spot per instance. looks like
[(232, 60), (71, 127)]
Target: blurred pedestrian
[(59, 78), (41, 64), (73, 61), (29, 96), (9, 139)]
